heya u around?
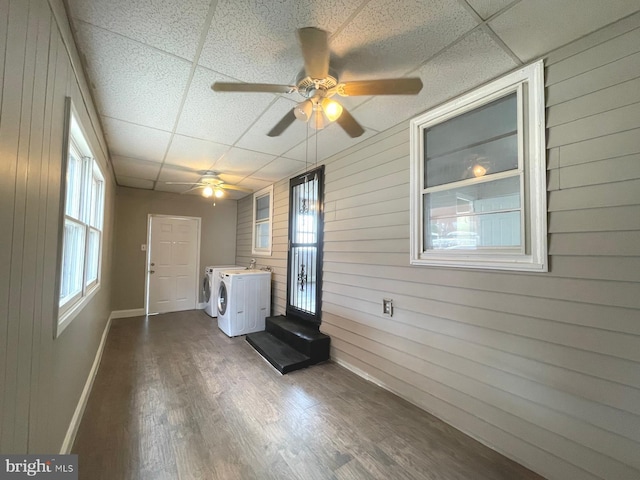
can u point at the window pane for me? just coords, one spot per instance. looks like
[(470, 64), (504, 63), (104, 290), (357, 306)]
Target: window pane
[(93, 256), (477, 143), (72, 260), (95, 218), (262, 208), (486, 214), (74, 185), (262, 235)]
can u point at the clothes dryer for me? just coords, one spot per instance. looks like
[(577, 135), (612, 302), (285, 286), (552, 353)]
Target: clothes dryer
[(244, 301), (210, 286)]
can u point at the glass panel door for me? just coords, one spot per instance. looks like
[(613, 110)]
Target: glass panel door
[(304, 269)]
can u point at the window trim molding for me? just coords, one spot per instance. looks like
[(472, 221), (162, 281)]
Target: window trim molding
[(534, 202), (64, 314), (267, 252)]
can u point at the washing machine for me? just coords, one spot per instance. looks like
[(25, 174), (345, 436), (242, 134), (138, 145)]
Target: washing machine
[(210, 286), (244, 301)]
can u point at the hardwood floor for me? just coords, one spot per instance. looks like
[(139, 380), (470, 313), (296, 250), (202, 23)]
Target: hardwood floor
[(176, 399)]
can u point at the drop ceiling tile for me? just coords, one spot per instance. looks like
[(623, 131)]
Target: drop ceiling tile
[(486, 8), (255, 41), (389, 38), (254, 184), (163, 187), (131, 167), (531, 29), (257, 139), (471, 62), (278, 169), (135, 183), (135, 141), (220, 117), (171, 26), (171, 173), (239, 161), (194, 153), (133, 82)]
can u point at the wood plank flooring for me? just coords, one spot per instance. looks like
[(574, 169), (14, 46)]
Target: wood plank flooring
[(175, 398)]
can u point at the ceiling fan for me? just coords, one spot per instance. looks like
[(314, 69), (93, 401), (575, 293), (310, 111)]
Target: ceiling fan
[(317, 84), (211, 184)]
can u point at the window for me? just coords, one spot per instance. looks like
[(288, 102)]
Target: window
[(478, 178), (262, 218), (82, 227)]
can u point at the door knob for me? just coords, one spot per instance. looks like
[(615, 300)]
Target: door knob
[(152, 271), (153, 264)]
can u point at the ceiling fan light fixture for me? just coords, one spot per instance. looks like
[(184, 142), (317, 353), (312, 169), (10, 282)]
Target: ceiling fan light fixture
[(303, 110), (219, 193), (207, 191), (331, 109)]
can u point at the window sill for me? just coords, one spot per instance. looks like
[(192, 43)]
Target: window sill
[(67, 317), (524, 263)]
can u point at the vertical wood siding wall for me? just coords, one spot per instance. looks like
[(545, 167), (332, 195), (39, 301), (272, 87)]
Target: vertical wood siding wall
[(543, 367), (41, 379)]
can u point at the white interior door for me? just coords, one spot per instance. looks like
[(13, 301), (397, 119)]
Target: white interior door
[(172, 264)]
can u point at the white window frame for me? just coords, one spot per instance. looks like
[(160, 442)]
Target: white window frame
[(529, 83), (267, 191), (90, 217)]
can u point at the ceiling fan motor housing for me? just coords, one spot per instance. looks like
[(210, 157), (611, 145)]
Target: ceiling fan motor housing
[(312, 87)]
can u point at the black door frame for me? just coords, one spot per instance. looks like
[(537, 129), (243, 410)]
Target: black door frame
[(291, 310)]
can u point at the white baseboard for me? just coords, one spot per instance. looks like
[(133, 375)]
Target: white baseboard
[(82, 402), (134, 312)]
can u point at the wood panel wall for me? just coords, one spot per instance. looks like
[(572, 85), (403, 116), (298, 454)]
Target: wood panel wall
[(542, 367), (41, 379)]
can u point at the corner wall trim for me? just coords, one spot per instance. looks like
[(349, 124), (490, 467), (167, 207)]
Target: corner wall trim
[(70, 437), (134, 312)]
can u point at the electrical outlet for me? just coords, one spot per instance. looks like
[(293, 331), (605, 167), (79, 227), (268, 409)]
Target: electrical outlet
[(143, 247), (387, 307)]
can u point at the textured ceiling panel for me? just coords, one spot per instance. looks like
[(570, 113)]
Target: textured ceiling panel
[(254, 184), (278, 168), (131, 167), (221, 117), (445, 76), (163, 187), (533, 28), (139, 56), (389, 38), (135, 183), (255, 40), (171, 173), (486, 8), (194, 153), (165, 24), (134, 82), (239, 161), (130, 140)]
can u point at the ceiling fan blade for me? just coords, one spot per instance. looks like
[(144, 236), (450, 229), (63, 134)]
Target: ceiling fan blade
[(391, 86), (191, 189), (226, 186), (252, 87), (349, 124), (315, 51), (283, 124)]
